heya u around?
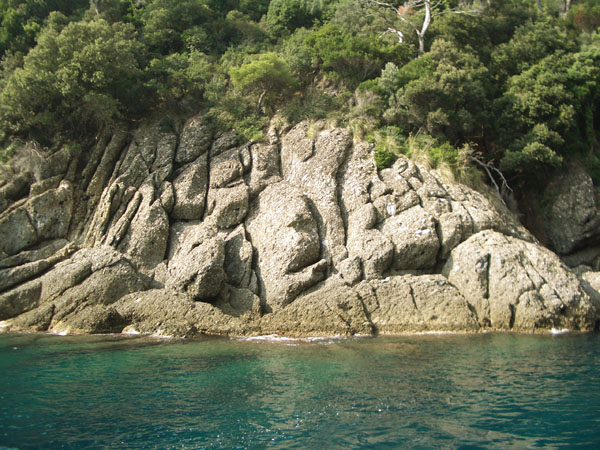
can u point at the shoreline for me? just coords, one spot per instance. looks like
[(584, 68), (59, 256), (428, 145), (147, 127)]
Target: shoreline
[(282, 338)]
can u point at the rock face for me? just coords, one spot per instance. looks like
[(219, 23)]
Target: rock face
[(188, 234), (571, 215)]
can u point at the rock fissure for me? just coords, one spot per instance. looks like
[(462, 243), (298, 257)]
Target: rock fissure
[(294, 235)]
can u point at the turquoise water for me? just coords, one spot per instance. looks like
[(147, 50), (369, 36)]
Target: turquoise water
[(483, 391)]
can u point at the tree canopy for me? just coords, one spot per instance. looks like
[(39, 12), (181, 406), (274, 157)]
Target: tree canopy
[(514, 81)]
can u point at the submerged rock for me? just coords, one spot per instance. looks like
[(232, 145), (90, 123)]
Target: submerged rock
[(191, 234)]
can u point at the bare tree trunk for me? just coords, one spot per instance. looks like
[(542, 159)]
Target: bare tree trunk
[(425, 27), (405, 14), (260, 100), (539, 6)]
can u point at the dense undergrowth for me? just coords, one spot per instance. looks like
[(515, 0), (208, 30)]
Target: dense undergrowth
[(512, 83)]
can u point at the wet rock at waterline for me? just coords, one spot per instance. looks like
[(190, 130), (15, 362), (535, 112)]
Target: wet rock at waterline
[(301, 235)]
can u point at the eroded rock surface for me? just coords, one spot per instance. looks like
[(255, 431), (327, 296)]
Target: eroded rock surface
[(186, 233), (572, 214)]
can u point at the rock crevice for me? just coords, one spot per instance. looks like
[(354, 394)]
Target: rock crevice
[(186, 233)]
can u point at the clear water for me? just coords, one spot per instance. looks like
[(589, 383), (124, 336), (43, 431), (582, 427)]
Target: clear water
[(484, 391)]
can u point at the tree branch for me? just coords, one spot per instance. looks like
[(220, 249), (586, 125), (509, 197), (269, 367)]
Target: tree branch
[(489, 167)]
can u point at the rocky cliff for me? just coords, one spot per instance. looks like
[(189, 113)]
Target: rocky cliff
[(186, 233)]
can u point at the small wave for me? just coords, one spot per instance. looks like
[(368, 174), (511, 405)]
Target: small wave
[(278, 338), (160, 334), (557, 331)]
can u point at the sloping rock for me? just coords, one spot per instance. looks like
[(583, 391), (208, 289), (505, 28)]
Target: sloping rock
[(196, 139), (332, 310), (44, 217), (409, 303), (190, 189), (198, 270), (89, 277), (301, 235), (146, 240), (517, 285), (416, 244), (168, 313), (284, 232), (572, 216)]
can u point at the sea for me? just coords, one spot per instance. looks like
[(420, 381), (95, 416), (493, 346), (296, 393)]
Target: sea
[(418, 392)]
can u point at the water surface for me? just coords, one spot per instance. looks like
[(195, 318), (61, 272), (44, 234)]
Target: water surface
[(481, 391)]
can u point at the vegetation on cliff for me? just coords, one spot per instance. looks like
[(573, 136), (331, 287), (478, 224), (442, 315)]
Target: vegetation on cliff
[(512, 82)]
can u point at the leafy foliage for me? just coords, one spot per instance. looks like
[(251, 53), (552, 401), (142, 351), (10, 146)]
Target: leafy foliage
[(510, 83), (86, 74)]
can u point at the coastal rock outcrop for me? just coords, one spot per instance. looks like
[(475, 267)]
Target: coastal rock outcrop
[(183, 233)]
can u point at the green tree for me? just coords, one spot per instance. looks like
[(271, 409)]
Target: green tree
[(449, 98), (551, 111), (284, 16), (267, 78), (74, 80), (530, 43), (168, 23), (22, 20), (353, 57), (179, 75)]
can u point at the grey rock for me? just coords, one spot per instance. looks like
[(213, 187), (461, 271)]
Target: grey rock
[(16, 232), (313, 167), (334, 309), (15, 275), (190, 188), (227, 207), (351, 270), (414, 235), (239, 303), (146, 240), (572, 217), (92, 319), (356, 177), (590, 281), (51, 211), (225, 168), (196, 138), (224, 141), (45, 185), (374, 249), (56, 164), (300, 236), (38, 319), (517, 285), (238, 258), (25, 257), (198, 271), (15, 189), (167, 313), (284, 233), (402, 304), (99, 275), (104, 169), (167, 196), (43, 217), (265, 168)]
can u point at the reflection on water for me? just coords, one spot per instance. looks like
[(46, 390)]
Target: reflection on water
[(484, 391)]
